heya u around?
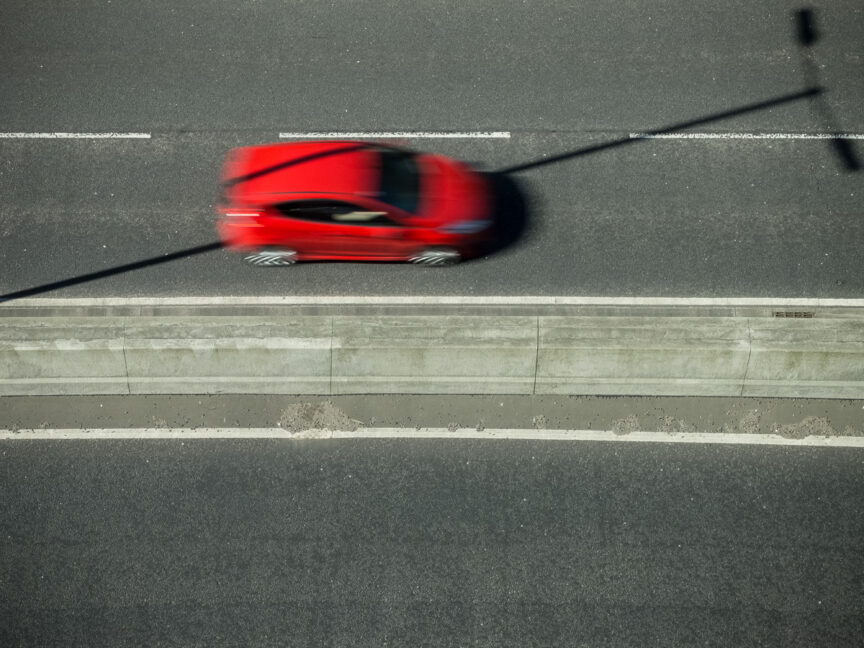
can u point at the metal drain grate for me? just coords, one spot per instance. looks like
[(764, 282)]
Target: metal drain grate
[(796, 314)]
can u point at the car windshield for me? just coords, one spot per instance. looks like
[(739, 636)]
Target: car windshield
[(400, 180)]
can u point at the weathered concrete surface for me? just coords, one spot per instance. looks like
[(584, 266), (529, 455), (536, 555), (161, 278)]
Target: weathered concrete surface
[(67, 356), (446, 354), (434, 355), (165, 356), (642, 355), (229, 355), (806, 358)]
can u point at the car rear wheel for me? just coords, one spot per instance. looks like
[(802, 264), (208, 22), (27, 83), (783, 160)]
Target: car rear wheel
[(436, 257), (271, 258)]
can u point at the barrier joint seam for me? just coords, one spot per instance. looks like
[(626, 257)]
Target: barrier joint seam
[(330, 388), (126, 362), (536, 355), (749, 355)]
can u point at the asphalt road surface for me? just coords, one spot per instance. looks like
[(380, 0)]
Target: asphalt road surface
[(775, 216), (116, 543), (434, 543)]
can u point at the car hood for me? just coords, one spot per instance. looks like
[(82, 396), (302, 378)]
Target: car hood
[(451, 192)]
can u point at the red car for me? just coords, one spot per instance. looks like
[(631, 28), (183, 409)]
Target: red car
[(352, 201)]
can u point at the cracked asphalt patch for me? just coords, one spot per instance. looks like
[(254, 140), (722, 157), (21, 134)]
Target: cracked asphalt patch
[(298, 417), (810, 426), (622, 415), (626, 425)]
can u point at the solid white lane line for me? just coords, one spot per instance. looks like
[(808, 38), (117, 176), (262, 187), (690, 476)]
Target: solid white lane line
[(74, 135), (749, 136), (433, 433), (452, 300), (397, 134)]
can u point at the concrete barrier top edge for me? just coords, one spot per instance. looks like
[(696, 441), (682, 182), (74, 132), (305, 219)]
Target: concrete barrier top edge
[(472, 300)]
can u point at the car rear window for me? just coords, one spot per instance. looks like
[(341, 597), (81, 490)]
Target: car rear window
[(400, 180)]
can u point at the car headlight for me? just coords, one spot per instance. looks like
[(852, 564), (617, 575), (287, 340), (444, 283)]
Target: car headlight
[(466, 227)]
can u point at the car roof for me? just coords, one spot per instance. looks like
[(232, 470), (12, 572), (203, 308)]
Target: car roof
[(332, 167)]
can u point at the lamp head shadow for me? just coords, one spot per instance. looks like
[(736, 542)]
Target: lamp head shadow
[(805, 22)]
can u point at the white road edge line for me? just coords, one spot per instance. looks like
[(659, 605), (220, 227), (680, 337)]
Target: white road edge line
[(75, 136), (452, 300), (749, 136), (431, 433), (397, 134)]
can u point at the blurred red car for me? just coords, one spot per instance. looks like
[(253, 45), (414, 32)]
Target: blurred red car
[(352, 201)]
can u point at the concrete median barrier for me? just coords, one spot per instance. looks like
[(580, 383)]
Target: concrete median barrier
[(71, 356), (815, 358), (434, 355), (642, 355), (166, 356), (229, 355), (393, 351)]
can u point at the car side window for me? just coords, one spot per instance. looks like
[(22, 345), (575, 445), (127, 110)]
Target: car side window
[(335, 212)]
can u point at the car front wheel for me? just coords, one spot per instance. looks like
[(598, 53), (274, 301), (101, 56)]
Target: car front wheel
[(436, 257), (271, 258)]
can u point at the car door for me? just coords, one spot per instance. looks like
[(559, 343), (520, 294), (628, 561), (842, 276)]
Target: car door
[(338, 229), (309, 227)]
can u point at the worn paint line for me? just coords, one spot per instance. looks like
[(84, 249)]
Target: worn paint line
[(396, 134), (75, 135), (454, 300), (748, 136), (432, 433)]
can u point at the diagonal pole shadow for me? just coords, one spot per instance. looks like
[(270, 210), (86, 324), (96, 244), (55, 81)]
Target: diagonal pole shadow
[(209, 247), (811, 92), (807, 35), (179, 254), (110, 272), (230, 182)]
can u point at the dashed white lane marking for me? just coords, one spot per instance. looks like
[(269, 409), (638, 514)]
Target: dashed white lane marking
[(455, 135), (749, 136), (74, 135), (432, 433), (398, 135), (451, 300)]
